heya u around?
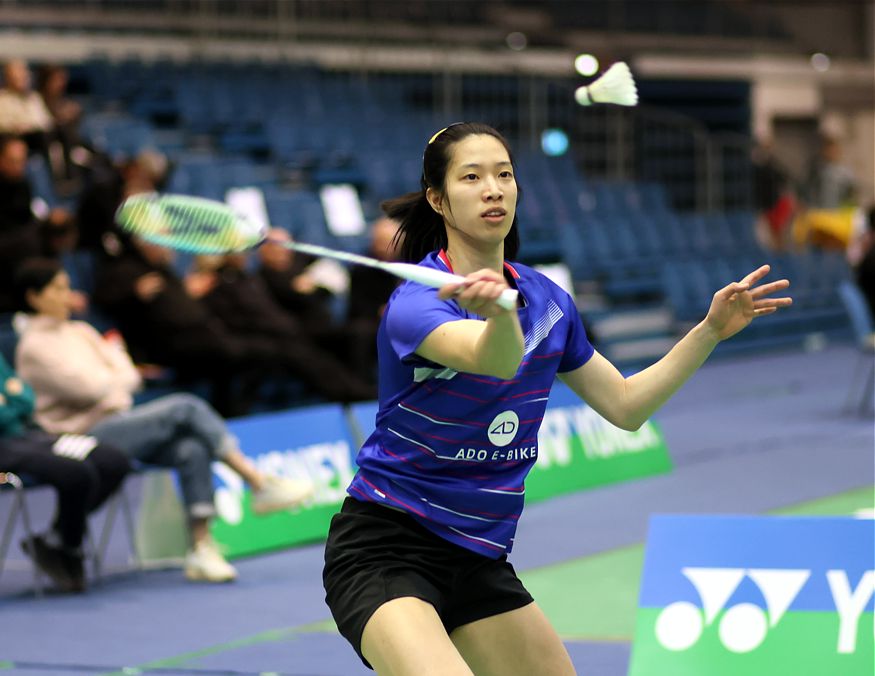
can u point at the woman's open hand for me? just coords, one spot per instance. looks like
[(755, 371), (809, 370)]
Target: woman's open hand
[(738, 304)]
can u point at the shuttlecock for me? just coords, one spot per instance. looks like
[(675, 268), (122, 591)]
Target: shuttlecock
[(615, 86)]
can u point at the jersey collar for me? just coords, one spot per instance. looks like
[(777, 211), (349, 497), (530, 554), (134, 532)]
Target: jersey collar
[(443, 258)]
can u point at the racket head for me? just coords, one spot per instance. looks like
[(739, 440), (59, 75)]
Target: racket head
[(187, 223)]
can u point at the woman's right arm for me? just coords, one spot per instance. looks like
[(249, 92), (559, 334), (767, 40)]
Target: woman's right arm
[(492, 346)]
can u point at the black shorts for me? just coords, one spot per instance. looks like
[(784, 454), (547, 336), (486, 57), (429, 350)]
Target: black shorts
[(375, 554)]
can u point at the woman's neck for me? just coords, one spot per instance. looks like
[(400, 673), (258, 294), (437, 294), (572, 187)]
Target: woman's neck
[(466, 259)]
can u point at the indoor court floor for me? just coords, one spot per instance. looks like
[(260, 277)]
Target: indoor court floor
[(761, 434)]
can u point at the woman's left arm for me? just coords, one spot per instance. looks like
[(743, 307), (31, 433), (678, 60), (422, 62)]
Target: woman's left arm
[(629, 402)]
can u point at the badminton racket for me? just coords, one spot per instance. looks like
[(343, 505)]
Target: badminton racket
[(204, 226)]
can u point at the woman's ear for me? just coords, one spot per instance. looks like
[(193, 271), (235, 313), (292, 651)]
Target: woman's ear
[(434, 199)]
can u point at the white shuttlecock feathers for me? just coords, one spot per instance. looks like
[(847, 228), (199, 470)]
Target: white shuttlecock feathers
[(615, 86)]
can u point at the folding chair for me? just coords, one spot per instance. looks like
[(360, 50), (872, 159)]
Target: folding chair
[(97, 550)]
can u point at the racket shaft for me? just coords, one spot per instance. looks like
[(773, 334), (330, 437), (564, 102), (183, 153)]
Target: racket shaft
[(438, 278), (415, 273)]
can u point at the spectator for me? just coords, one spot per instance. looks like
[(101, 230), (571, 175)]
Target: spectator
[(23, 233), (773, 197), (22, 111), (830, 194), (65, 114), (108, 185), (284, 274), (242, 301), (370, 288), (83, 472), (84, 384), (163, 323)]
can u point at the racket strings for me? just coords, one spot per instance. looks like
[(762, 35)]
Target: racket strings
[(187, 223)]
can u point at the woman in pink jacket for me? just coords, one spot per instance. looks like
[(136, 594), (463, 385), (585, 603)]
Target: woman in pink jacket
[(85, 384)]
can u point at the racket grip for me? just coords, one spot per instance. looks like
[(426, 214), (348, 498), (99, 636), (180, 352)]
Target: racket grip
[(508, 299), (437, 278)]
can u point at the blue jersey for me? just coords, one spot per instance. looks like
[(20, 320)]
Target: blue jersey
[(453, 449)]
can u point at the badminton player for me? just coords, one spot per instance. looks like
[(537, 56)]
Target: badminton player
[(416, 571)]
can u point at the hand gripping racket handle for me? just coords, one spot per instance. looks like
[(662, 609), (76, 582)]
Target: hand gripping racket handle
[(437, 278)]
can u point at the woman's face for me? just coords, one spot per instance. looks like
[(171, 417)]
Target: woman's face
[(54, 299), (479, 200)]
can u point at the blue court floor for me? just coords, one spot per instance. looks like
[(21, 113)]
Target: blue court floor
[(747, 435)]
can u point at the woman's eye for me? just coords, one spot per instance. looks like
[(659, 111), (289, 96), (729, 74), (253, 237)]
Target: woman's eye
[(506, 174), (470, 177)]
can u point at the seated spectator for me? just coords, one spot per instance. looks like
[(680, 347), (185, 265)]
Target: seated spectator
[(22, 111), (242, 301), (84, 384), (107, 185), (22, 233), (83, 472), (66, 115), (827, 219), (285, 275), (370, 288)]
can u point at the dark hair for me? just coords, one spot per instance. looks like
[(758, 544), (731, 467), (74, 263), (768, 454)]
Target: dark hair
[(34, 274), (421, 228)]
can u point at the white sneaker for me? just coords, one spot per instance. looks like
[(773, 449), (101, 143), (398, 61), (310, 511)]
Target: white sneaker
[(281, 493), (205, 563)]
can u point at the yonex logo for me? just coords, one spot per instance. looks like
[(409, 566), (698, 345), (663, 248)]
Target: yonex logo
[(503, 428), (744, 626)]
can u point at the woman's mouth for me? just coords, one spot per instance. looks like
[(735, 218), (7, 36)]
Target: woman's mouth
[(494, 215)]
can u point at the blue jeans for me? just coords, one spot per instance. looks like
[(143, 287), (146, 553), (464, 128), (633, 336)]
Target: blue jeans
[(179, 431)]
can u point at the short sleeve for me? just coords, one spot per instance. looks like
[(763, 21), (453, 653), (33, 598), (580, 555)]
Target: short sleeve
[(414, 312), (578, 349)]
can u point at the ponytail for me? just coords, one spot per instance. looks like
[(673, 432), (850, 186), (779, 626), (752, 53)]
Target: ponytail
[(421, 229)]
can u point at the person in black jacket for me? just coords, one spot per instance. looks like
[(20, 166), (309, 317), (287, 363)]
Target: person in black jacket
[(166, 320), (291, 286), (83, 472), (245, 305), (23, 234)]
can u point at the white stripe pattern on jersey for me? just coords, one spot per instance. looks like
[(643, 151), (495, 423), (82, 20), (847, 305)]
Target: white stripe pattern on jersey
[(541, 328), (474, 537), (423, 373), (422, 446), (467, 516), (74, 446), (430, 419), (501, 492)]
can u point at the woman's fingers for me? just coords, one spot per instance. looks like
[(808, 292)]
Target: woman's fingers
[(773, 303), (753, 277), (771, 287), (479, 290), (731, 289), (447, 291)]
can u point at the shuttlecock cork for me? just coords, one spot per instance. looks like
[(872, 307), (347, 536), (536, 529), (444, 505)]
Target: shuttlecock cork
[(615, 86)]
